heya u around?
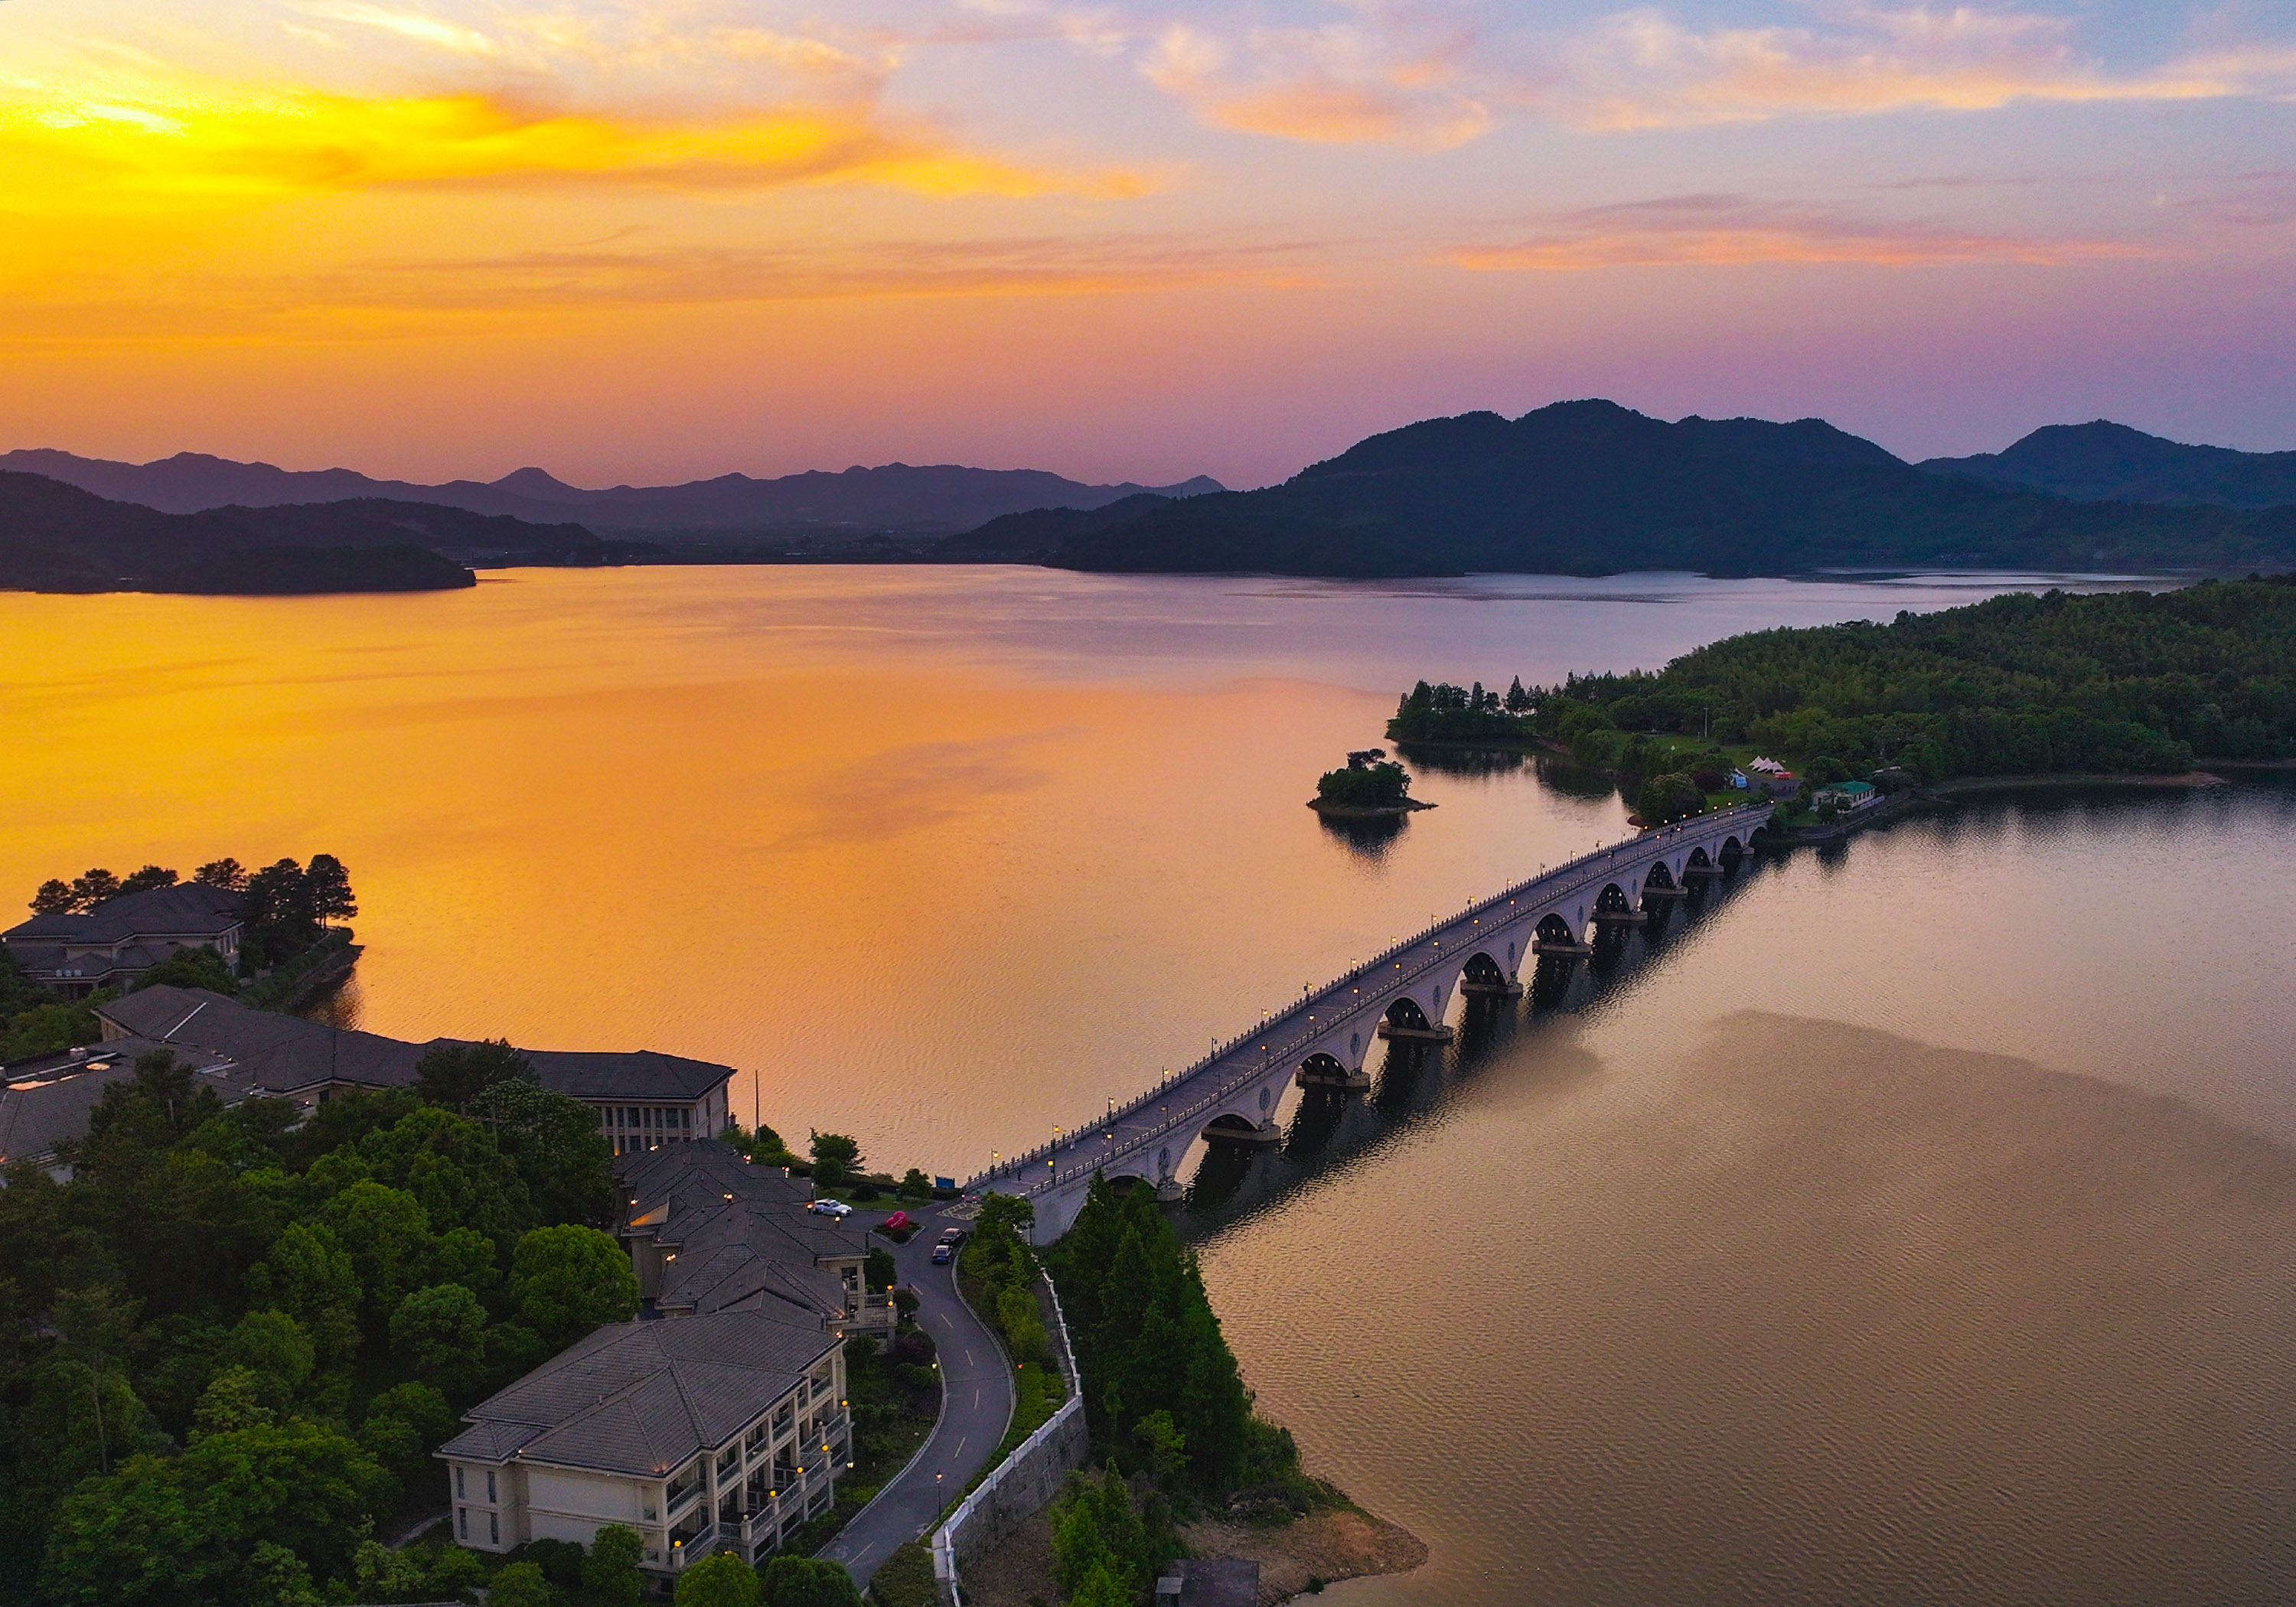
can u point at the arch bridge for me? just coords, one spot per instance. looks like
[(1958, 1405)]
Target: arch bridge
[(1231, 1094)]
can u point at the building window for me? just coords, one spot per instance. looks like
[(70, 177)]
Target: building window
[(458, 1481), (462, 1521), (490, 1487), (494, 1530)]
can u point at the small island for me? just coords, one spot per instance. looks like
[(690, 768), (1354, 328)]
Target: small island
[(1371, 786)]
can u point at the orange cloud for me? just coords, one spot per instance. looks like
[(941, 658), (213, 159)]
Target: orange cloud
[(238, 146), (1731, 229)]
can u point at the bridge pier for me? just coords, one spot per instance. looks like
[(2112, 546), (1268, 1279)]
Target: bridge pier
[(1620, 917), (1666, 893), (1702, 872), (1418, 1035), (1547, 949), (1341, 1079), (1171, 1192), (1492, 990), (1266, 1136)]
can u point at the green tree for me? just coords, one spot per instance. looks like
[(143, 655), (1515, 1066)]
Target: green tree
[(328, 886), (307, 1275), (520, 1585), (610, 1573), (1166, 1447), (808, 1582), (131, 1539), (1101, 1588), (226, 874), (148, 878), (275, 1347), (568, 1280), (835, 1158), (54, 898), (293, 1483), (388, 1236), (1669, 797), (236, 1398), (96, 887), (553, 1142), (441, 1330), (452, 1075), (719, 1580), (199, 967), (915, 1186)]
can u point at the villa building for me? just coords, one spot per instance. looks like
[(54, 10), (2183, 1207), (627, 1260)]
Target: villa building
[(122, 938), (708, 1232), (724, 1433), (718, 1421), (645, 1100)]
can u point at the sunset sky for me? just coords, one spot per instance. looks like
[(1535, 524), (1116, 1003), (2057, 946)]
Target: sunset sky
[(654, 240)]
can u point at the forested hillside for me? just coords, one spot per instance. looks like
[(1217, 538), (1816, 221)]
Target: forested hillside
[(2018, 684), (228, 1344)]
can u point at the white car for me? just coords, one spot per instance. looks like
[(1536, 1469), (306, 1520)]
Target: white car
[(830, 1208)]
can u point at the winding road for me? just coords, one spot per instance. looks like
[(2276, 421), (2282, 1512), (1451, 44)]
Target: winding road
[(976, 1407)]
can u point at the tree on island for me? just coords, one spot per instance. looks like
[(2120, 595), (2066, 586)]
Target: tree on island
[(1376, 786)]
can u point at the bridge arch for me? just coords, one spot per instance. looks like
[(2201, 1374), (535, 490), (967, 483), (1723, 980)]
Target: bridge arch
[(1659, 876), (1232, 1126), (1325, 1071), (1406, 1012), (1481, 971)]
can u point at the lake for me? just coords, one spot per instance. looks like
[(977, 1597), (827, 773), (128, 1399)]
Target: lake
[(1907, 1223)]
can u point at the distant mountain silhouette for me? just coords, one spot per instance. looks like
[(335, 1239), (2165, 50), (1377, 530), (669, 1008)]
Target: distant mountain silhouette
[(1591, 488), (896, 496), (2104, 461), (1036, 533), (55, 538)]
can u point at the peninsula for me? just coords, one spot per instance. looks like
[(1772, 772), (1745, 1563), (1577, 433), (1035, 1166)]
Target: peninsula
[(2017, 686)]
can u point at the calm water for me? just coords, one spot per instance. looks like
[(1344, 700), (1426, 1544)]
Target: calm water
[(1910, 1224)]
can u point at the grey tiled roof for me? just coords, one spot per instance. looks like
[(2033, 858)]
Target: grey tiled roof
[(283, 1053), (288, 1053), (637, 1074), (188, 909), (742, 1237), (639, 1399), (48, 1098)]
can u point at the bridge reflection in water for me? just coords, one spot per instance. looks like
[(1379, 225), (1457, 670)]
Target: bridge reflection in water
[(1231, 1095)]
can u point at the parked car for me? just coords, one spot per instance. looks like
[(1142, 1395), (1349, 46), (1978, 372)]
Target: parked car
[(830, 1208), (952, 1235), (944, 1253)]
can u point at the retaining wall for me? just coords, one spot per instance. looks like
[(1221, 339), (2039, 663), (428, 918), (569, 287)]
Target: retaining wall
[(1020, 1484)]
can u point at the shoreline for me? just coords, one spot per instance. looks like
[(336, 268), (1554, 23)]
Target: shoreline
[(1327, 1544), (1331, 811)]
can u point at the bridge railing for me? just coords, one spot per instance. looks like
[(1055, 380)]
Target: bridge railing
[(1588, 870)]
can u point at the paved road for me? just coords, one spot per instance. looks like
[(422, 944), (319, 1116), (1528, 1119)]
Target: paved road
[(975, 1409)]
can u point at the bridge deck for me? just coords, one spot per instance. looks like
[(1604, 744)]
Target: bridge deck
[(1169, 1108)]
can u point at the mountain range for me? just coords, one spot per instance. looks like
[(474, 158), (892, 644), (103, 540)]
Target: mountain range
[(2104, 461), (1590, 487), (895, 497), (55, 538)]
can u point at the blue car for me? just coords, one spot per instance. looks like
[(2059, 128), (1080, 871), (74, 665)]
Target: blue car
[(944, 1253)]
